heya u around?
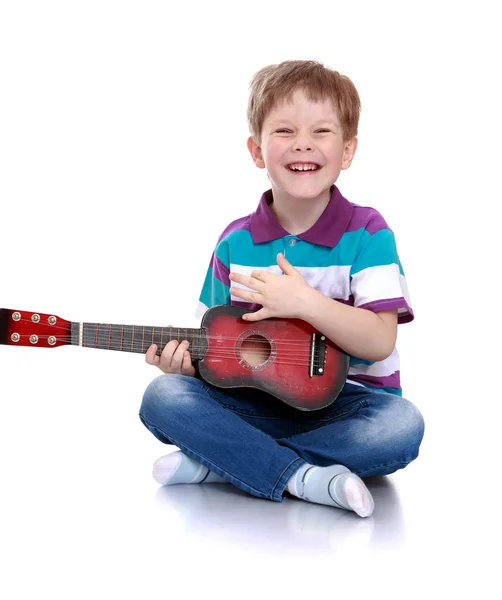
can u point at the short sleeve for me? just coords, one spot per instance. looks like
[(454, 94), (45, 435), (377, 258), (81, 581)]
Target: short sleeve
[(377, 278), (216, 288)]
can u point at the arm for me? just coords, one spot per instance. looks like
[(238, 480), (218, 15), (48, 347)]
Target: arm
[(357, 331)]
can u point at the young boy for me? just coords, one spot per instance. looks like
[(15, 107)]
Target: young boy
[(307, 253)]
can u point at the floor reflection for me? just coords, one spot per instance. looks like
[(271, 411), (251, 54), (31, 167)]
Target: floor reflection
[(227, 514)]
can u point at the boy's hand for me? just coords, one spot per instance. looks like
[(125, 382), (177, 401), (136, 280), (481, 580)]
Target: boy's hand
[(283, 296), (175, 358)]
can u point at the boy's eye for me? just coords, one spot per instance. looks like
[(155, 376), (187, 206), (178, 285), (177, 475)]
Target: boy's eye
[(289, 131)]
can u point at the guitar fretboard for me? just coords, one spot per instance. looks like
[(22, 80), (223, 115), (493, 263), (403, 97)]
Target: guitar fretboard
[(136, 338)]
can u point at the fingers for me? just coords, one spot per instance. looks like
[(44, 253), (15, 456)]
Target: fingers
[(186, 367), (172, 355), (254, 281), (175, 358), (151, 356), (255, 316), (261, 276), (254, 297)]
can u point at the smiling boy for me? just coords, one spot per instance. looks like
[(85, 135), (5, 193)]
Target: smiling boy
[(306, 253)]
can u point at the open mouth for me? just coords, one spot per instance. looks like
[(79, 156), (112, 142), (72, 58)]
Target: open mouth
[(303, 167)]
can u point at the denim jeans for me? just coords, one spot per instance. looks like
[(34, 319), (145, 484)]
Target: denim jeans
[(257, 442)]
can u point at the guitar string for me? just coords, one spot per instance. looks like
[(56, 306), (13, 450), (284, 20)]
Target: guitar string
[(66, 339), (221, 351), (304, 350), (209, 353), (128, 342)]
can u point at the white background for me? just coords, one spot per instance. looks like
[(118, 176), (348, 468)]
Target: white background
[(122, 157)]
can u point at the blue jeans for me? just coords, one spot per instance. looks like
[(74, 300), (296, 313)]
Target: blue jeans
[(257, 442)]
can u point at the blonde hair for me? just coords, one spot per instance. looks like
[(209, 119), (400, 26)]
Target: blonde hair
[(275, 83)]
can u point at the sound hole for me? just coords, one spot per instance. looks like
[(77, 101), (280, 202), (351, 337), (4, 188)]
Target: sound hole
[(255, 350)]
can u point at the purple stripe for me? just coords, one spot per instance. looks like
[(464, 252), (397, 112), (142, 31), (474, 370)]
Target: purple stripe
[(340, 217), (369, 218), (390, 304), (349, 302), (249, 305), (238, 225), (393, 381), (220, 270)]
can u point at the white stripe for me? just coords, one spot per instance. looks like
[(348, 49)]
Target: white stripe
[(379, 283), (200, 310), (355, 382), (80, 334), (382, 368), (333, 281)]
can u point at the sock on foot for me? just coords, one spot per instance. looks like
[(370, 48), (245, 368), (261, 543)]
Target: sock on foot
[(333, 486), (179, 468)]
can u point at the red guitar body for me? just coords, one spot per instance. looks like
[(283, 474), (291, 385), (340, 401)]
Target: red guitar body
[(285, 373)]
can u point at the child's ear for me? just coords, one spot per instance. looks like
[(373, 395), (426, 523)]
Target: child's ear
[(256, 153), (349, 150)]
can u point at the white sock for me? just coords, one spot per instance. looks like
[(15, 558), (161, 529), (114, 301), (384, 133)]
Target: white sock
[(333, 486), (179, 468)]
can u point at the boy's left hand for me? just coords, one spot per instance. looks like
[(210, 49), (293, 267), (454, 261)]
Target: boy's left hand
[(280, 295)]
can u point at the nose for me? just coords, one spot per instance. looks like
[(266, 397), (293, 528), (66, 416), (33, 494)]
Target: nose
[(302, 143)]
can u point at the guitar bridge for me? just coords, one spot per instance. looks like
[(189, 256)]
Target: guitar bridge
[(317, 354)]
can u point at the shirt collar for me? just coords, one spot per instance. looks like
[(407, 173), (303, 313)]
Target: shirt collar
[(326, 231)]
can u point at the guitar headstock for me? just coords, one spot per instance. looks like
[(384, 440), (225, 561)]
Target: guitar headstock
[(24, 328)]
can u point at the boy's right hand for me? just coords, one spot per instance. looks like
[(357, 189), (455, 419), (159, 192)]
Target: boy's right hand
[(175, 358)]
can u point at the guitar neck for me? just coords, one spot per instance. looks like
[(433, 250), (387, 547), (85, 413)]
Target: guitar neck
[(136, 338)]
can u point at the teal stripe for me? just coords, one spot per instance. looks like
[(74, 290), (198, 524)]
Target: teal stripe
[(383, 390), (360, 361), (244, 252), (358, 249), (222, 252), (388, 390), (214, 292), (377, 249)]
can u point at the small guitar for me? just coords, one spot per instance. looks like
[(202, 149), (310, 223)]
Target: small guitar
[(285, 357)]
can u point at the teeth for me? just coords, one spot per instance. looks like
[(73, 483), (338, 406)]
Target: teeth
[(309, 167)]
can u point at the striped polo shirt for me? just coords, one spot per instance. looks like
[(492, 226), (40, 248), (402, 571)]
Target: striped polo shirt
[(349, 255)]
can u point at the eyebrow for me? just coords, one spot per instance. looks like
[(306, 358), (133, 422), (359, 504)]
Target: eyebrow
[(319, 122)]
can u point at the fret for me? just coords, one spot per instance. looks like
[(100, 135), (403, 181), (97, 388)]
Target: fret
[(127, 338), (195, 340), (88, 335), (103, 336), (116, 337), (154, 338)]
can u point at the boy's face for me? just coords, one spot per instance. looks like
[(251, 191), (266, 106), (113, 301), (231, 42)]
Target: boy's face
[(302, 133)]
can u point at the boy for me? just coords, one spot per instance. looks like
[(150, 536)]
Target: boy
[(306, 253)]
